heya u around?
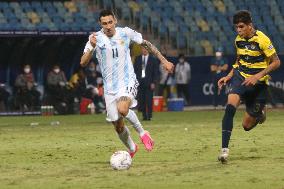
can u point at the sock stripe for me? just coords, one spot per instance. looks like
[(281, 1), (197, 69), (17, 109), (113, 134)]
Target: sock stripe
[(226, 131)]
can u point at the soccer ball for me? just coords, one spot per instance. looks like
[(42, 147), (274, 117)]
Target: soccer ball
[(120, 160)]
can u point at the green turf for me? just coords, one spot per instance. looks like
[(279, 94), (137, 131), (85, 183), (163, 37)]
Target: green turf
[(75, 154)]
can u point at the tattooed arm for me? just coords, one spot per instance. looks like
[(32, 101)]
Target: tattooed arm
[(152, 49), (274, 64)]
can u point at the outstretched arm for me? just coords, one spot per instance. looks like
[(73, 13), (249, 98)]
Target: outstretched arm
[(152, 49)]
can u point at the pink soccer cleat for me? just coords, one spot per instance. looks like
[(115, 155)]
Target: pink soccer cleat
[(133, 153), (147, 141)]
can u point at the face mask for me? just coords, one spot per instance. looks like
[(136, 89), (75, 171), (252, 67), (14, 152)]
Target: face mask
[(91, 69), (56, 70), (27, 70), (181, 60), (218, 54)]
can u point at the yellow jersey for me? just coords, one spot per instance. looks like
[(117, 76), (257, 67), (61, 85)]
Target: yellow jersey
[(253, 54)]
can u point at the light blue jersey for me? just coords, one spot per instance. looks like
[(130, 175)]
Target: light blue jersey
[(114, 59)]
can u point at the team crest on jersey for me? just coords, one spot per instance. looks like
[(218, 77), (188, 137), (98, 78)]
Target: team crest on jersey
[(270, 47), (252, 46), (121, 42)]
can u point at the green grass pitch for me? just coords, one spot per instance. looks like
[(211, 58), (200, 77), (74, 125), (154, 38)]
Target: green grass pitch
[(75, 154)]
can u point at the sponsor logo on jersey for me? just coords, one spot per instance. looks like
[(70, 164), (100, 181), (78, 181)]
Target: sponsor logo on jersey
[(270, 47)]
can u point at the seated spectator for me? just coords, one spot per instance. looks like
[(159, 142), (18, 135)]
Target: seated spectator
[(87, 84), (93, 83), (26, 95), (77, 83), (58, 94)]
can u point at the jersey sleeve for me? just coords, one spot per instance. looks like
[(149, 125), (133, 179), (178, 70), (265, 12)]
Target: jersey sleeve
[(236, 65), (267, 47), (134, 35)]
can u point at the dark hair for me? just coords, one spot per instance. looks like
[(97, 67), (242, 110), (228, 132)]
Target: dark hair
[(106, 13), (242, 16), (181, 55)]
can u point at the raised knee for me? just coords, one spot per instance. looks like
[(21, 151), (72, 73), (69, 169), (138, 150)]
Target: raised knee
[(246, 128), (123, 111)]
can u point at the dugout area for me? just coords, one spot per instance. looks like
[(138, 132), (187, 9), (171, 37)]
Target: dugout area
[(41, 52)]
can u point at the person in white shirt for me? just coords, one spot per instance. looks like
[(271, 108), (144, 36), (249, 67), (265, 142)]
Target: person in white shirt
[(183, 76), (111, 47)]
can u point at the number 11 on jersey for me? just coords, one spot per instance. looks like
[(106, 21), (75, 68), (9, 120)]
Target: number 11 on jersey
[(114, 53)]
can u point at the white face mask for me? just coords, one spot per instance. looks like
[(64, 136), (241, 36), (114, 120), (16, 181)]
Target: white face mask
[(218, 54), (56, 70), (27, 70)]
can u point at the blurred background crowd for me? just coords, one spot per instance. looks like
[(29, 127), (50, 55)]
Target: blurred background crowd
[(41, 43)]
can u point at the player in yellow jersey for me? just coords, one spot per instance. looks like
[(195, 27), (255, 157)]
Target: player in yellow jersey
[(256, 58)]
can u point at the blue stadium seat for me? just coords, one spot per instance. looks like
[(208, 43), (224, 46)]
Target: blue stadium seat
[(57, 20), (39, 9), (42, 27), (163, 31), (163, 18), (4, 5), (181, 42), (47, 4), (51, 11), (35, 4)]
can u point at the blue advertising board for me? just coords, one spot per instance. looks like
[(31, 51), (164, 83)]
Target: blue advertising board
[(201, 86)]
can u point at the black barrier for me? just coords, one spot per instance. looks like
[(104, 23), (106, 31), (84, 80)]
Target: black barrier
[(43, 49), (43, 33)]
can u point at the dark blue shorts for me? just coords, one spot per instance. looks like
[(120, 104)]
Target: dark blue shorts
[(254, 97)]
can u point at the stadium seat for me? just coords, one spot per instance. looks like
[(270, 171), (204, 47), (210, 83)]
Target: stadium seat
[(163, 32), (160, 18), (181, 42)]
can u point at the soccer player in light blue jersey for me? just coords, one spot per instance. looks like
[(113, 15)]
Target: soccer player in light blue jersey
[(111, 47)]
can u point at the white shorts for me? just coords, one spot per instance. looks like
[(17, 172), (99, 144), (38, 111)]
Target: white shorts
[(112, 99)]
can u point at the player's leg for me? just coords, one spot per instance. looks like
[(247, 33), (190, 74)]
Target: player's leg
[(123, 105), (124, 135), (249, 122), (116, 119), (227, 125), (255, 107)]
